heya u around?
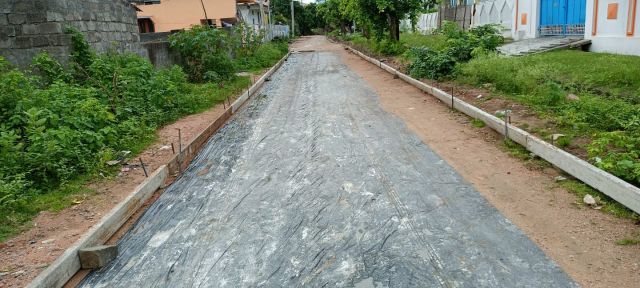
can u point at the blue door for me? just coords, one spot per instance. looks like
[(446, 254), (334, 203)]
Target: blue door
[(562, 17)]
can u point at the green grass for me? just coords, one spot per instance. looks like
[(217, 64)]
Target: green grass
[(211, 93), (435, 42), (266, 55), (628, 241), (478, 123), (407, 40), (607, 110), (614, 77)]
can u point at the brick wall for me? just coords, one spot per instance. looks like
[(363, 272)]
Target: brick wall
[(30, 26)]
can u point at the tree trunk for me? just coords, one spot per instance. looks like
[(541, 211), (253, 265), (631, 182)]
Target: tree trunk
[(394, 27)]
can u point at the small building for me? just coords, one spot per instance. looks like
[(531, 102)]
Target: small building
[(254, 13), (30, 27), (613, 26), (169, 15)]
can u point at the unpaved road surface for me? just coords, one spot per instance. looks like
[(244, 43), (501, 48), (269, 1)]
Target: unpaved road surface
[(314, 184)]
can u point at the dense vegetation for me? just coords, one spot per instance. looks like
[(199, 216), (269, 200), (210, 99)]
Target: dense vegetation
[(216, 55), (307, 19), (60, 125), (375, 19)]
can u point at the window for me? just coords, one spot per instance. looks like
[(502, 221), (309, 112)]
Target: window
[(145, 25)]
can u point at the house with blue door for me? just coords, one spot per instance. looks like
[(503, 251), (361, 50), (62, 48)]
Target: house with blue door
[(539, 18), (611, 25)]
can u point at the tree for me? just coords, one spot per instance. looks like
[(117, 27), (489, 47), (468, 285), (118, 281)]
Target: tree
[(335, 12), (306, 16), (378, 15), (390, 12)]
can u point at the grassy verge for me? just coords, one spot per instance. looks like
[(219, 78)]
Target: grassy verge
[(592, 96), (407, 41)]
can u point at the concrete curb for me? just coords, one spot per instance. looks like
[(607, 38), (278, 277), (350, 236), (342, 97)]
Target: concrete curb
[(254, 88), (68, 264), (61, 270), (614, 187)]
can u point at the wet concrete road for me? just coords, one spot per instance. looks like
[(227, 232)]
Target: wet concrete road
[(313, 184)]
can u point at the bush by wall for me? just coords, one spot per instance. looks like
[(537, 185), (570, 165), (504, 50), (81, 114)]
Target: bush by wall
[(460, 47)]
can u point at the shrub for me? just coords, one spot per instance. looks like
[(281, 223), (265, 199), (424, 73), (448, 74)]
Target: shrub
[(59, 123), (619, 153), (430, 63), (206, 52), (460, 47)]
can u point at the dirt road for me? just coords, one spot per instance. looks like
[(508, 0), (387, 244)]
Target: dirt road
[(313, 183)]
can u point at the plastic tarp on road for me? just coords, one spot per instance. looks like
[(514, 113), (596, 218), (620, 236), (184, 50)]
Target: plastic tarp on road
[(313, 184)]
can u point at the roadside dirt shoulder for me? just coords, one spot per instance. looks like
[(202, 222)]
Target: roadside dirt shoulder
[(581, 241)]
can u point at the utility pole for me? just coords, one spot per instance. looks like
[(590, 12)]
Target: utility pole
[(293, 21), (206, 18), (270, 24)]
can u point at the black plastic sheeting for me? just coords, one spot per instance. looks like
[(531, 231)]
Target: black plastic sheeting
[(313, 184)]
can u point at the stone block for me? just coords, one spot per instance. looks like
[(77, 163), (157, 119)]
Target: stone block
[(5, 6), (3, 19), (17, 18), (39, 41), (30, 29), (86, 15), (6, 43), (23, 42), (60, 40), (50, 28), (38, 17), (98, 256), (53, 16), (7, 31), (91, 26)]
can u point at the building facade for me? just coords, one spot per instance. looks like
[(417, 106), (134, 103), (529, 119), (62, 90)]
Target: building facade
[(613, 26), (169, 15)]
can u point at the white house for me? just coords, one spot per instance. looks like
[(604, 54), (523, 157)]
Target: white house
[(613, 26)]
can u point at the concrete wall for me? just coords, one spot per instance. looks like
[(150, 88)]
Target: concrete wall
[(181, 14), (160, 54), (461, 14), (28, 27), (426, 23), (494, 12), (525, 19), (620, 35)]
